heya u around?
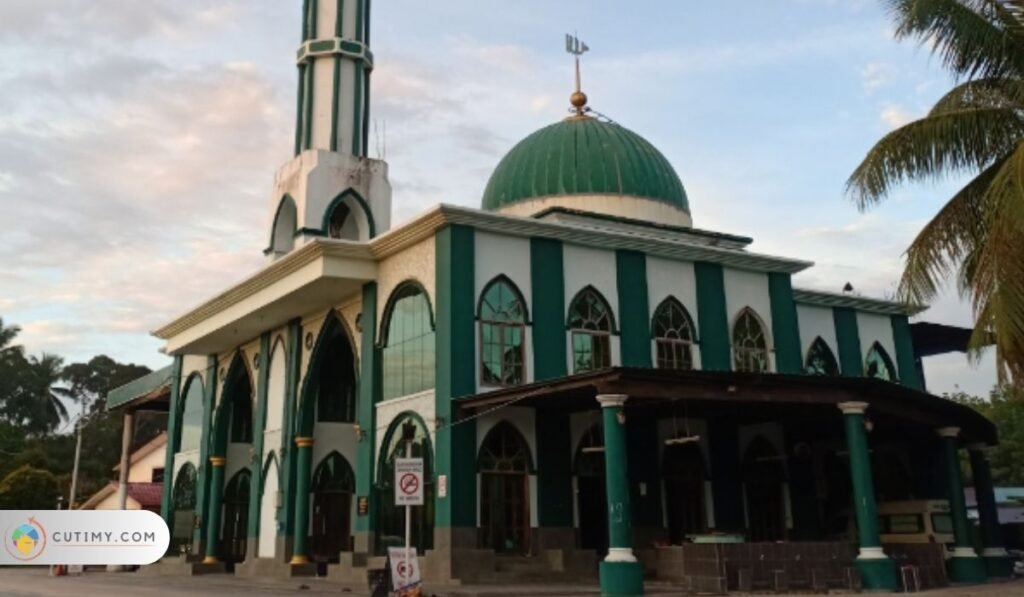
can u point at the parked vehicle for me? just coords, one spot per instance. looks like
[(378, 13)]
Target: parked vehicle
[(912, 521)]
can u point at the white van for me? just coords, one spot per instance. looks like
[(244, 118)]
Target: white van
[(912, 521)]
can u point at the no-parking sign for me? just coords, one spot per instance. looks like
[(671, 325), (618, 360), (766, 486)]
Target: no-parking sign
[(408, 481)]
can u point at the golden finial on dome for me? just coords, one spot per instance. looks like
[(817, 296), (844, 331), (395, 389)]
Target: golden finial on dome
[(577, 48)]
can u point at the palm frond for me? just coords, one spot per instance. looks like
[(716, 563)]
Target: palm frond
[(948, 241), (982, 93), (934, 147), (969, 36)]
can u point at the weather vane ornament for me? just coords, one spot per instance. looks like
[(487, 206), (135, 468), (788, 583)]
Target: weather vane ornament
[(577, 48)]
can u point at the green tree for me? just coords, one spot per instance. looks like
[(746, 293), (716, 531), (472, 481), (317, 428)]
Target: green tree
[(977, 238), (1005, 408), (28, 488)]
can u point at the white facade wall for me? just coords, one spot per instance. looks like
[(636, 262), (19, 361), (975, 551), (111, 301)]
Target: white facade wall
[(676, 279), (498, 255), (875, 328), (268, 513), (415, 263), (584, 267), (749, 289), (816, 322)]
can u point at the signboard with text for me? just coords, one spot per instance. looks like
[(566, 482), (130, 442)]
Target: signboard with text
[(405, 572), (408, 481)]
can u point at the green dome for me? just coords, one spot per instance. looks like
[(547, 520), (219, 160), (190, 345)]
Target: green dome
[(584, 156)]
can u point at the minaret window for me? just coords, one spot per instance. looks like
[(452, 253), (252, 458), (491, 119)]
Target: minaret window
[(879, 365), (821, 360), (749, 345), (673, 336), (591, 325), (502, 334), (408, 343)]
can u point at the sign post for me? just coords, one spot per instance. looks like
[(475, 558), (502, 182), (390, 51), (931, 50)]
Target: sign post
[(408, 493)]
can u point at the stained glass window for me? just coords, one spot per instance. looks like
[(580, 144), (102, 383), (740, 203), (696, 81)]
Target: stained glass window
[(590, 322), (821, 360), (749, 345), (502, 334), (409, 344), (673, 336), (192, 416), (879, 365)]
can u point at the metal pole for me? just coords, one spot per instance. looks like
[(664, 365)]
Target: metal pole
[(408, 519), (74, 470), (126, 447)]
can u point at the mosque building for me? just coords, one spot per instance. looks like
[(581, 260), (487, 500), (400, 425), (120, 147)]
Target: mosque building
[(599, 389)]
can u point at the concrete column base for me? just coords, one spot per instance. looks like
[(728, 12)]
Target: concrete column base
[(621, 579), (967, 570), (877, 574)]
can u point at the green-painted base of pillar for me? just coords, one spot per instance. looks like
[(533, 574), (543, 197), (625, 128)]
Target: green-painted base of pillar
[(967, 570), (877, 574), (621, 579), (998, 567)]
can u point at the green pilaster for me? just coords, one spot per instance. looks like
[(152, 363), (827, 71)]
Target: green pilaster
[(369, 390), (906, 360), (203, 472), (712, 319), (851, 358), (634, 309), (547, 278), (260, 424), (620, 572), (456, 373), (357, 109), (286, 455), (335, 103), (878, 572), (998, 563), (303, 471), (174, 413), (785, 325), (554, 470), (215, 510), (965, 566)]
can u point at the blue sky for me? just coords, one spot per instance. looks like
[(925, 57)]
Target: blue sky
[(138, 138)]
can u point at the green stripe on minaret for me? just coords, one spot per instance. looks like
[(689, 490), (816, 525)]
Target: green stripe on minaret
[(335, 101), (357, 108)]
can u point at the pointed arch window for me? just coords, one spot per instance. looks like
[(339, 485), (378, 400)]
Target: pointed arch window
[(502, 334), (341, 223), (336, 379), (183, 507), (408, 343), (821, 360), (192, 416), (673, 336), (406, 430), (504, 450), (749, 344), (879, 365), (591, 326)]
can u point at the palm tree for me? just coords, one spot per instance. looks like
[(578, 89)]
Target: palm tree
[(7, 336), (977, 238), (44, 404)]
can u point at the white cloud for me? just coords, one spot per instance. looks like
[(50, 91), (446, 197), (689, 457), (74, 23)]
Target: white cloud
[(877, 75), (895, 116)]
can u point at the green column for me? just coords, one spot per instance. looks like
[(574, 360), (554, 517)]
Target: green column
[(878, 572), (997, 561), (621, 573), (174, 413), (303, 470), (965, 566), (215, 509)]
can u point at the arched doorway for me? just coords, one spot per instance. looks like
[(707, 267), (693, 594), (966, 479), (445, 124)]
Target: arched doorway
[(763, 478), (333, 485), (236, 517), (184, 509), (591, 491), (504, 466), (406, 428), (684, 475)]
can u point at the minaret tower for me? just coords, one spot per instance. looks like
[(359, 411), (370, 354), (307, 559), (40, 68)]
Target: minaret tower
[(331, 188)]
